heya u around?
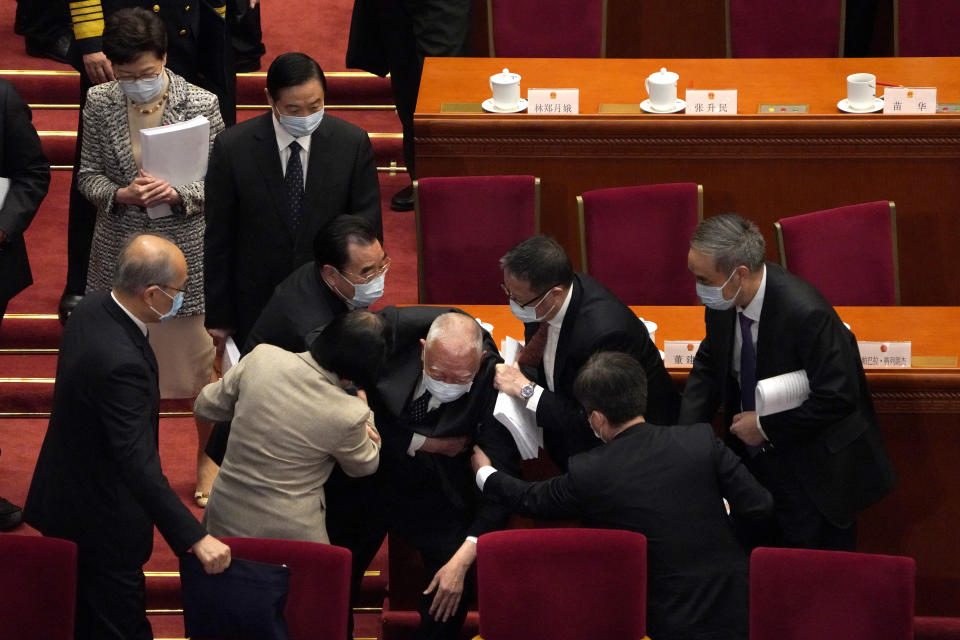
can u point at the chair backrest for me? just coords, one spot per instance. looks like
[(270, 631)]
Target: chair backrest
[(544, 584), (319, 599), (926, 27), (763, 29), (635, 240), (567, 29), (464, 226), (848, 253), (38, 587), (803, 593)]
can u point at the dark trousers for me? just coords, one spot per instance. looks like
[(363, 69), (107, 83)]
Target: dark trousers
[(41, 20), (797, 522), (111, 603), (81, 217), (410, 31), (3, 310)]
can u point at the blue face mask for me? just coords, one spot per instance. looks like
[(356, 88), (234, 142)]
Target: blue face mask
[(300, 126), (177, 303), (143, 90), (713, 298)]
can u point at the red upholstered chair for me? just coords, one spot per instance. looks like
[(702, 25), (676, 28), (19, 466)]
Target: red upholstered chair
[(559, 29), (635, 240), (848, 253), (830, 595), (38, 587), (926, 27), (931, 628), (318, 602), (763, 29), (544, 584), (464, 226)]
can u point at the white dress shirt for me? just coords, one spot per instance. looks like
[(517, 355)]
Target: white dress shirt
[(283, 144), (752, 311), (550, 350), (140, 323)]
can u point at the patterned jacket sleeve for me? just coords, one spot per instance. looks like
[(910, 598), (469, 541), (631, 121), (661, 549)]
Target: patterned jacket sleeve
[(192, 194), (91, 179), (87, 19)]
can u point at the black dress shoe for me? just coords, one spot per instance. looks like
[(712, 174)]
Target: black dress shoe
[(57, 50), (402, 200), (67, 302), (10, 515)]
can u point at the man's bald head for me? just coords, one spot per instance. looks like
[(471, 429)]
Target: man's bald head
[(148, 260), (453, 348)]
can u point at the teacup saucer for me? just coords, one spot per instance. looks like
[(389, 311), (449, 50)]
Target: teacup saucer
[(678, 106), (488, 105), (844, 105)]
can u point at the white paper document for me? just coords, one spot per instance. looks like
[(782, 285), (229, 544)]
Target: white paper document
[(513, 413), (176, 153), (231, 356), (4, 188), (783, 392)]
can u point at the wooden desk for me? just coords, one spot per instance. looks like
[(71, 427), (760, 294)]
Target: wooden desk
[(919, 412), (764, 167)]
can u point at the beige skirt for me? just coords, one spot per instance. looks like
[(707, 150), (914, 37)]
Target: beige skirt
[(185, 355)]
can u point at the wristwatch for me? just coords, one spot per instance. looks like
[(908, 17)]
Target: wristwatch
[(526, 391)]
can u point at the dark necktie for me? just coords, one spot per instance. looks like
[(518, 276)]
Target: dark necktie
[(293, 184), (532, 353), (418, 408), (748, 365)]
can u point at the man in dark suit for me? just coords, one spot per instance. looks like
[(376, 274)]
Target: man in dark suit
[(666, 482), (434, 397), (22, 163), (98, 479), (273, 182), (567, 318), (823, 461)]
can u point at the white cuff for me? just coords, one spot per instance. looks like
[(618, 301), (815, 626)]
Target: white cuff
[(760, 429), (415, 443), (472, 539), (482, 474), (534, 400)]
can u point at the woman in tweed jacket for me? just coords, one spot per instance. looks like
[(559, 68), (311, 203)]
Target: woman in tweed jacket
[(147, 94)]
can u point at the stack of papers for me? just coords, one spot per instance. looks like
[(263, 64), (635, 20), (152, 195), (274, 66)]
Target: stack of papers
[(4, 188), (513, 413), (177, 153), (230, 357), (782, 393)]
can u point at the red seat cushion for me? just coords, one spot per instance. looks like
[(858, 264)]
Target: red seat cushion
[(568, 29), (763, 29), (929, 28), (38, 587)]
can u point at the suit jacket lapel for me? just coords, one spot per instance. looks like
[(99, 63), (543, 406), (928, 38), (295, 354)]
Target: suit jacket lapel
[(768, 328), (317, 170), (268, 160), (175, 109), (566, 331), (132, 330)]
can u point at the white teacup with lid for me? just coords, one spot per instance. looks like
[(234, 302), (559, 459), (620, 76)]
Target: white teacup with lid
[(506, 90), (662, 88)]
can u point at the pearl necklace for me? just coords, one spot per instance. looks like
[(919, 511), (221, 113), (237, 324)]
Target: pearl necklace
[(154, 109)]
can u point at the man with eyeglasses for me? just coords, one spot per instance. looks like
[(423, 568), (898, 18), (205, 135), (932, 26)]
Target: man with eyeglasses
[(98, 480), (567, 318), (435, 398)]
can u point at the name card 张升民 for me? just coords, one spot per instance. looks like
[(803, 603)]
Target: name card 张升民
[(909, 100), (553, 102), (884, 355), (717, 102), (680, 353)]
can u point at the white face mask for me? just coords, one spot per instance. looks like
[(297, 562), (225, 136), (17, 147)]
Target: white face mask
[(596, 432), (713, 296), (367, 293), (529, 312), (445, 391), (143, 90), (300, 126)]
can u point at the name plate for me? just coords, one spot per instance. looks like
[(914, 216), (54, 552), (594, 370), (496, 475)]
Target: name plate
[(884, 355), (718, 102), (680, 353), (553, 102), (909, 100)]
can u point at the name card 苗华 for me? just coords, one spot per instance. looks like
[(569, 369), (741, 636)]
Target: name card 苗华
[(553, 102), (718, 102), (679, 353), (884, 355), (909, 100)]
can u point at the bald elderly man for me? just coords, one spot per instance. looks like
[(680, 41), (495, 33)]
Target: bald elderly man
[(98, 479), (435, 398)]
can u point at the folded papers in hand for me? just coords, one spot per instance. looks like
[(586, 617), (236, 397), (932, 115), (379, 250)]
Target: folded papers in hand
[(513, 413), (782, 393)]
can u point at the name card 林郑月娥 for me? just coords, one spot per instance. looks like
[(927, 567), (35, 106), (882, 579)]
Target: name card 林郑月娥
[(884, 355), (713, 102), (909, 100), (679, 354), (553, 102)]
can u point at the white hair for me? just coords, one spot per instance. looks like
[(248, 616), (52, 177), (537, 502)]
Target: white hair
[(456, 330)]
